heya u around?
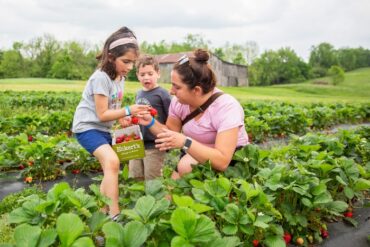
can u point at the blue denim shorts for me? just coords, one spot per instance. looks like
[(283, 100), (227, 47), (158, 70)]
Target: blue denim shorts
[(92, 139)]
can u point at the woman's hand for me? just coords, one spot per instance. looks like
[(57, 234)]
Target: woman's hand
[(169, 139)]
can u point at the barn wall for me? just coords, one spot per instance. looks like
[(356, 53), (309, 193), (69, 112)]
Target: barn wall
[(228, 75)]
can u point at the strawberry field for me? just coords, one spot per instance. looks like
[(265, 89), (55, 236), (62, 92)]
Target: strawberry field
[(270, 197)]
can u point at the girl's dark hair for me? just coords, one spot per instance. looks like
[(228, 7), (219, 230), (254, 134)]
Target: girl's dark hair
[(107, 57), (195, 71), (145, 60)]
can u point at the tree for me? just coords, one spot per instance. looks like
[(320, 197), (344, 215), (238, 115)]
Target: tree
[(12, 63), (322, 57), (277, 67), (336, 74)]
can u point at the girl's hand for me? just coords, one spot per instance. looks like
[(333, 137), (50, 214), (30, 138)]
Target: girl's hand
[(136, 109), (125, 122), (169, 139)]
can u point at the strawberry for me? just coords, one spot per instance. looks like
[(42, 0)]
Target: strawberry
[(30, 163), (287, 237), (21, 167), (134, 120), (324, 233), (128, 138), (348, 214), (119, 139), (136, 137), (30, 138), (28, 179), (153, 112), (76, 171), (299, 241), (255, 243)]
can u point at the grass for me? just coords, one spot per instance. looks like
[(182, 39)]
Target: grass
[(355, 88)]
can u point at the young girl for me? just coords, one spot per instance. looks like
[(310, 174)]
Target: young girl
[(100, 106)]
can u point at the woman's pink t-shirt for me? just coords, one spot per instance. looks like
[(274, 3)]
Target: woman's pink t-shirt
[(223, 114)]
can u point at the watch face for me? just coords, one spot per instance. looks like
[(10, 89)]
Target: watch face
[(187, 144)]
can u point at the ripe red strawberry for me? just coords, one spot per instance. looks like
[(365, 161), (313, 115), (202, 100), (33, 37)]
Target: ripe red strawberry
[(119, 139), (30, 138), (255, 243), (134, 120), (348, 214), (128, 138), (324, 233), (287, 237), (136, 137), (153, 112), (76, 171), (21, 167)]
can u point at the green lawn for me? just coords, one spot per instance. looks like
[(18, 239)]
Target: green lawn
[(355, 88)]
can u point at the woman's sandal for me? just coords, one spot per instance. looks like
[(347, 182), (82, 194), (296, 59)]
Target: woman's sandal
[(115, 218)]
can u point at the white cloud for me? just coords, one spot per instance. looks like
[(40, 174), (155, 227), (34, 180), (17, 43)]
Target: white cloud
[(273, 24)]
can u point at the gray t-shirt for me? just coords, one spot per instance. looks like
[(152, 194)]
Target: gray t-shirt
[(85, 117), (159, 99)]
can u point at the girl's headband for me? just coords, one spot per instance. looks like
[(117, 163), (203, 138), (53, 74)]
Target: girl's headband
[(123, 41)]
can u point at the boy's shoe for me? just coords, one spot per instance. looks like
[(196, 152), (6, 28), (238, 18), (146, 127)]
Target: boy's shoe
[(99, 241)]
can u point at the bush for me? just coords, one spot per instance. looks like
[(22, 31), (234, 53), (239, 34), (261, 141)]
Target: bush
[(336, 74), (14, 200)]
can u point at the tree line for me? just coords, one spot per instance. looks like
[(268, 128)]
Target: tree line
[(46, 57)]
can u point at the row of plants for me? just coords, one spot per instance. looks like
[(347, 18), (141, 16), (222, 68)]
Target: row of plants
[(263, 120), (268, 198), (49, 100), (44, 157), (277, 119)]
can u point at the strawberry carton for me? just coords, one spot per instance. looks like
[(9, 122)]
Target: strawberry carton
[(128, 143)]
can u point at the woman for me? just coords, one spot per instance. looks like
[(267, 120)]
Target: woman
[(215, 133)]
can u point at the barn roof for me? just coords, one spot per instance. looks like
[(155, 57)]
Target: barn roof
[(172, 57)]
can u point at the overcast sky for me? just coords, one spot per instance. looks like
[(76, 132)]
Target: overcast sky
[(273, 24)]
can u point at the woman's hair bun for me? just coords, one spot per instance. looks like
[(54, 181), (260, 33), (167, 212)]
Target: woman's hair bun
[(201, 56)]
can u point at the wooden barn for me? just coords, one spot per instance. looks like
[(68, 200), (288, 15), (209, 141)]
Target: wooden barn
[(228, 74)]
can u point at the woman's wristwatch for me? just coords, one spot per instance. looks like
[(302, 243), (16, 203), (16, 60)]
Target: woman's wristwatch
[(187, 144)]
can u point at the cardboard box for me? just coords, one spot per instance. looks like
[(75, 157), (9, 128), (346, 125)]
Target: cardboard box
[(128, 143)]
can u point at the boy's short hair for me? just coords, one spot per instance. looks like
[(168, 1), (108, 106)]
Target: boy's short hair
[(144, 60)]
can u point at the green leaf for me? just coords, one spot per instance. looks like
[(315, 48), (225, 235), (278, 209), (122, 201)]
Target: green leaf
[(340, 180), (113, 234), (183, 201), (47, 237), (321, 188), (179, 241), (337, 206), (197, 184), (69, 227), (183, 222), (200, 195), (230, 229), (97, 220), (55, 192), (134, 234), (144, 206), (351, 221), (362, 184), (323, 198), (274, 241), (26, 235), (84, 241), (201, 208), (348, 192), (204, 230), (224, 242), (232, 213), (306, 202)]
